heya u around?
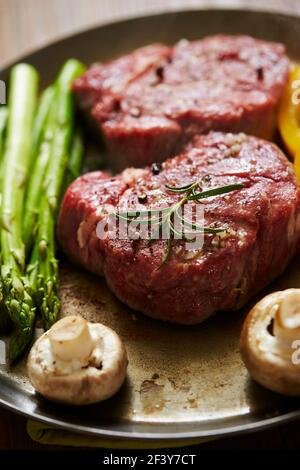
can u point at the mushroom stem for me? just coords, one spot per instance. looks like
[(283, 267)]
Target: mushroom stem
[(70, 339)]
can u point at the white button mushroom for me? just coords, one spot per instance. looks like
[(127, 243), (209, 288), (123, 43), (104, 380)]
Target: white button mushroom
[(269, 337), (77, 362)]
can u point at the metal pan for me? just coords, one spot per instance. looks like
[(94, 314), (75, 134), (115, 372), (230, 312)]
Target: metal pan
[(182, 382)]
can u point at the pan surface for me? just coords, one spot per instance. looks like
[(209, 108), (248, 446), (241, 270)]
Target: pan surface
[(182, 382)]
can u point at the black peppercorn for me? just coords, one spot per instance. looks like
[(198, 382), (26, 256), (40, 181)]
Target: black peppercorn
[(260, 73), (160, 73), (142, 197), (156, 168)]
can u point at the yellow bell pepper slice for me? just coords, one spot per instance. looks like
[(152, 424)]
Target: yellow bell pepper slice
[(289, 113)]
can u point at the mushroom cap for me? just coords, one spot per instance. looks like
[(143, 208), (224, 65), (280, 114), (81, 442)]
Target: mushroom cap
[(85, 385), (268, 356)]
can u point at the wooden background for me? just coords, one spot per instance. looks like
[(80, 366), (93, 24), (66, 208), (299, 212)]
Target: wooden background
[(26, 25), (30, 24)]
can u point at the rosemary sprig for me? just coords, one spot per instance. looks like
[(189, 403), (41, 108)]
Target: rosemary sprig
[(164, 217)]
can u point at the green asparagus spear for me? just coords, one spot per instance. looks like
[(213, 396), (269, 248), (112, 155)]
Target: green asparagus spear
[(43, 108), (63, 133), (5, 322), (16, 289), (42, 137), (3, 121), (75, 160), (73, 171), (44, 267)]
